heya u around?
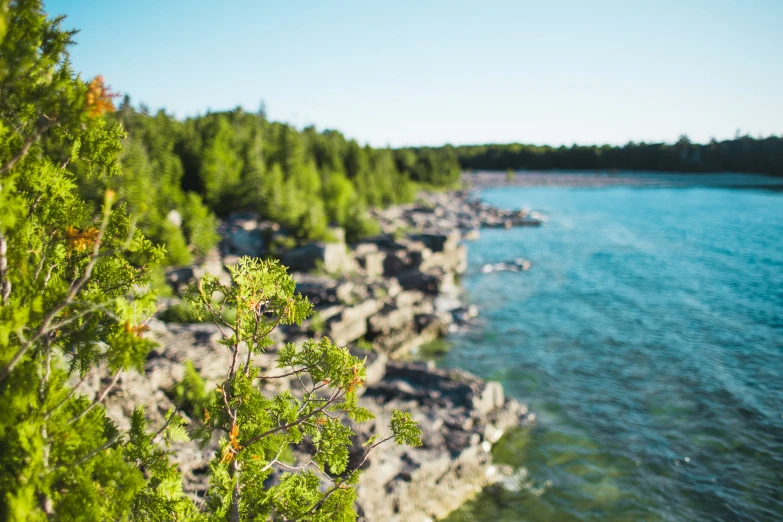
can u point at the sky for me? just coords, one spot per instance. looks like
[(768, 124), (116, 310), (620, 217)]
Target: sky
[(430, 72)]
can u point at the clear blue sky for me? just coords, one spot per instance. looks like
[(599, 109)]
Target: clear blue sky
[(433, 72)]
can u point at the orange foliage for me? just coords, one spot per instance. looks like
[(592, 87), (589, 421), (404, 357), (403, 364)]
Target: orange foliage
[(356, 381), (99, 97), (233, 438), (137, 329), (81, 240), (233, 444)]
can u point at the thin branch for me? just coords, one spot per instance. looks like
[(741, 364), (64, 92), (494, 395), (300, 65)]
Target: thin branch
[(289, 374), (49, 274), (65, 399), (84, 313), (43, 258), (279, 452), (290, 424), (26, 147), (34, 205), (105, 445), (341, 483), (217, 318), (99, 399), (255, 338), (166, 424)]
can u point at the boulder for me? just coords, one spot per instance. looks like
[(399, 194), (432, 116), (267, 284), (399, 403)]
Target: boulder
[(372, 263), (318, 289), (240, 241), (212, 264), (390, 318), (395, 262), (333, 258), (454, 260), (440, 242), (174, 217), (351, 324), (429, 282), (409, 298), (180, 277)]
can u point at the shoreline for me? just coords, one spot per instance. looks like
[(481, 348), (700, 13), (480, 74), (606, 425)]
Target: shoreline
[(393, 293)]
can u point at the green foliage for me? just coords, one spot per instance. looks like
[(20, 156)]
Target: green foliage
[(258, 430), (363, 344), (405, 429), (152, 186), (316, 324), (191, 393), (180, 313)]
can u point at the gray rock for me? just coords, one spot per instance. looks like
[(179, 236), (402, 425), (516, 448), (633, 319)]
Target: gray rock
[(390, 318), (331, 257), (372, 263), (351, 324), (440, 242), (454, 260)]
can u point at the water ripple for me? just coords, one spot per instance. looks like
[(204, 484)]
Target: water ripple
[(648, 338)]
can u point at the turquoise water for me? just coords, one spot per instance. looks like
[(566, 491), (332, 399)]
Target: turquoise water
[(648, 339)]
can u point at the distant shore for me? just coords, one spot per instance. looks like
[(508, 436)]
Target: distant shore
[(602, 178)]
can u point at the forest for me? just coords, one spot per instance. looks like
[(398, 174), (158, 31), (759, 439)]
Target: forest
[(219, 163), (743, 154)]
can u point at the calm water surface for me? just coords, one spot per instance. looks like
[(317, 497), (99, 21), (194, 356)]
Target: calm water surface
[(648, 339)]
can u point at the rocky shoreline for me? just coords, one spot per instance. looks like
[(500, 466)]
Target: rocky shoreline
[(383, 297)]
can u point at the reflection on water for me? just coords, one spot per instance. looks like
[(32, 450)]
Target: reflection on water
[(648, 339)]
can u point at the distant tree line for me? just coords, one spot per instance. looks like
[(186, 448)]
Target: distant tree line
[(210, 166), (742, 154)]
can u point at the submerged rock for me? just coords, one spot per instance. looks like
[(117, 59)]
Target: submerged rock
[(460, 416)]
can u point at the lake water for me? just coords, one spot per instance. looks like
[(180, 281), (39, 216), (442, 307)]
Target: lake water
[(648, 339)]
